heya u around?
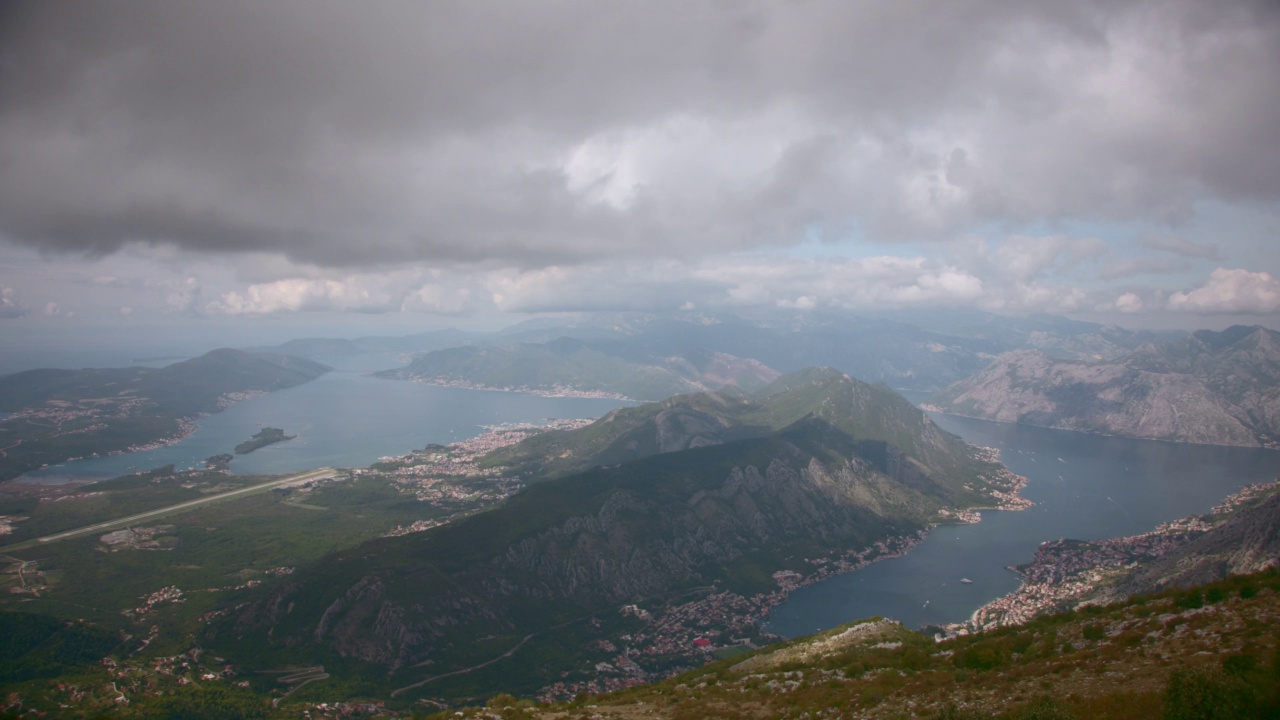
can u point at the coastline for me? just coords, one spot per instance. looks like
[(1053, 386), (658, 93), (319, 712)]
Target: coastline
[(187, 426), (1073, 573), (555, 391), (725, 614), (722, 614)]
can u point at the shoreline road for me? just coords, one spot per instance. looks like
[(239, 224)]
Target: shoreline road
[(170, 509)]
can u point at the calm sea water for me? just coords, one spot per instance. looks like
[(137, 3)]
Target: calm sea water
[(1084, 487), (342, 419)]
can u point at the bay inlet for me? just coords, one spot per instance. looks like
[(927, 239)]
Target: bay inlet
[(1084, 486), (342, 419)]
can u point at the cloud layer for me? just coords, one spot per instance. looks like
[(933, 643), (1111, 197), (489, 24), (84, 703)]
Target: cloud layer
[(541, 135)]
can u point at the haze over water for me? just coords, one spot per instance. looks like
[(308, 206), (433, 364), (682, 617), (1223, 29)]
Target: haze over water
[(1084, 486)]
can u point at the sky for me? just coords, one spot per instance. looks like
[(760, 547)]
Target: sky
[(287, 165)]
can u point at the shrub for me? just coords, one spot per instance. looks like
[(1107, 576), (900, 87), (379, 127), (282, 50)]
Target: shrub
[(1191, 600), (503, 700), (1198, 694), (980, 657), (951, 712), (1044, 708)]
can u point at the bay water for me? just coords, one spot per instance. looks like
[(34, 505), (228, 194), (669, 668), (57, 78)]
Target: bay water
[(345, 418), (1084, 487)]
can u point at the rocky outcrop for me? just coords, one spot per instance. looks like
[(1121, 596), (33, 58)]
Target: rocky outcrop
[(1215, 388)]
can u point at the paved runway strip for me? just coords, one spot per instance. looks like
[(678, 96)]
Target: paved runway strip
[(180, 507)]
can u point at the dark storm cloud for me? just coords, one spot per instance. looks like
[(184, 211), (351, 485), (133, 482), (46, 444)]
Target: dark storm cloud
[(353, 134)]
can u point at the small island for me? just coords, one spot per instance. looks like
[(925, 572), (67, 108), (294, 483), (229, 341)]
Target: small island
[(218, 463), (265, 437)]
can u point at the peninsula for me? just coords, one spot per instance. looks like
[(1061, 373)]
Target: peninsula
[(56, 416)]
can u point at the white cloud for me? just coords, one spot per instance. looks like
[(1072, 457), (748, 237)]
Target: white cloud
[(1128, 303), (804, 302), (776, 280), (1022, 258), (183, 296), (10, 307), (439, 299), (306, 295), (410, 290), (1230, 290)]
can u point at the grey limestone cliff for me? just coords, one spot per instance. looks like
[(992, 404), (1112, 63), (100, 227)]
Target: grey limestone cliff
[(1219, 388)]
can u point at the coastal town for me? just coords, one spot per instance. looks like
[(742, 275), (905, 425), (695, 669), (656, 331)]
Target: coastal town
[(555, 390), (1066, 573), (681, 636), (450, 476), (90, 415)]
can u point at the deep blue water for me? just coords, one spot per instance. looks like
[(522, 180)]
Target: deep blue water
[(342, 419), (1084, 486)]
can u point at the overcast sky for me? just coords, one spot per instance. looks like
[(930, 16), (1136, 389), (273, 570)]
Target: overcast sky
[(448, 163)]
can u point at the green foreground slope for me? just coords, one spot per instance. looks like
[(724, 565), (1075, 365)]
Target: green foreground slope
[(1206, 653)]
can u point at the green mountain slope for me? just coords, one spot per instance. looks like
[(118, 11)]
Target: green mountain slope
[(59, 415), (1148, 658), (873, 413), (569, 553), (1211, 387)]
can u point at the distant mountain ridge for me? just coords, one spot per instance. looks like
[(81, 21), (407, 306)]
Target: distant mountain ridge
[(871, 413), (908, 350), (568, 365), (1219, 388), (59, 415)]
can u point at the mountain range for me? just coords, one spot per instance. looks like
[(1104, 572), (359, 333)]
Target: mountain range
[(713, 491), (568, 365), (1220, 388), (914, 351)]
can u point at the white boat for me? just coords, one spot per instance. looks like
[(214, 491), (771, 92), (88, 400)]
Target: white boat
[(966, 581)]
